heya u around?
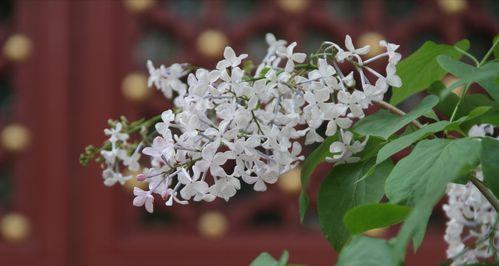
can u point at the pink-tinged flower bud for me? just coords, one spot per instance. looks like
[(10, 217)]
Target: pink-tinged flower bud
[(141, 177)]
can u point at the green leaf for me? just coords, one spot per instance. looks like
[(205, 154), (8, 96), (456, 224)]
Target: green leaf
[(265, 259), (431, 115), (484, 75), (405, 141), (384, 124), (489, 157), (311, 162), (447, 103), (421, 69), (318, 156), (284, 258), (366, 251), (340, 192), (420, 179), (465, 122), (455, 67), (371, 149), (477, 112), (431, 161), (376, 215), (490, 117)]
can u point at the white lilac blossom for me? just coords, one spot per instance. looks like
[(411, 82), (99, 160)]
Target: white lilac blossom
[(472, 232), (292, 57), (143, 198), (117, 153), (167, 79), (231, 126), (344, 150), (351, 50)]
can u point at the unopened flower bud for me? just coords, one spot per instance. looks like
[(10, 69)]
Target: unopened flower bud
[(141, 177)]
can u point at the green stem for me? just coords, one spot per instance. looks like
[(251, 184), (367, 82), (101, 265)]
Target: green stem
[(478, 64), (254, 78), (256, 121), (320, 54), (489, 52), (468, 55), (153, 120), (461, 98), (305, 66)]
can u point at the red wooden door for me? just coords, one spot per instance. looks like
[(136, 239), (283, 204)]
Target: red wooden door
[(34, 211), (78, 74)]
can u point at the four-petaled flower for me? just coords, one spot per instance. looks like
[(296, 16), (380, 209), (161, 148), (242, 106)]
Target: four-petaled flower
[(351, 50), (143, 198), (230, 59), (293, 57), (343, 150)]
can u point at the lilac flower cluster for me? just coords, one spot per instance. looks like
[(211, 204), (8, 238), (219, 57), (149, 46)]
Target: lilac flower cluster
[(229, 125), (472, 219)]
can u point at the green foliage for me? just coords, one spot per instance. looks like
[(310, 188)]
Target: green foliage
[(419, 180), (421, 69), (489, 158), (431, 161), (365, 251), (376, 215), (348, 200), (490, 117), (485, 75), (372, 147), (474, 117), (311, 162), (449, 101), (265, 259), (405, 141), (340, 192), (455, 67), (384, 124), (432, 115)]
